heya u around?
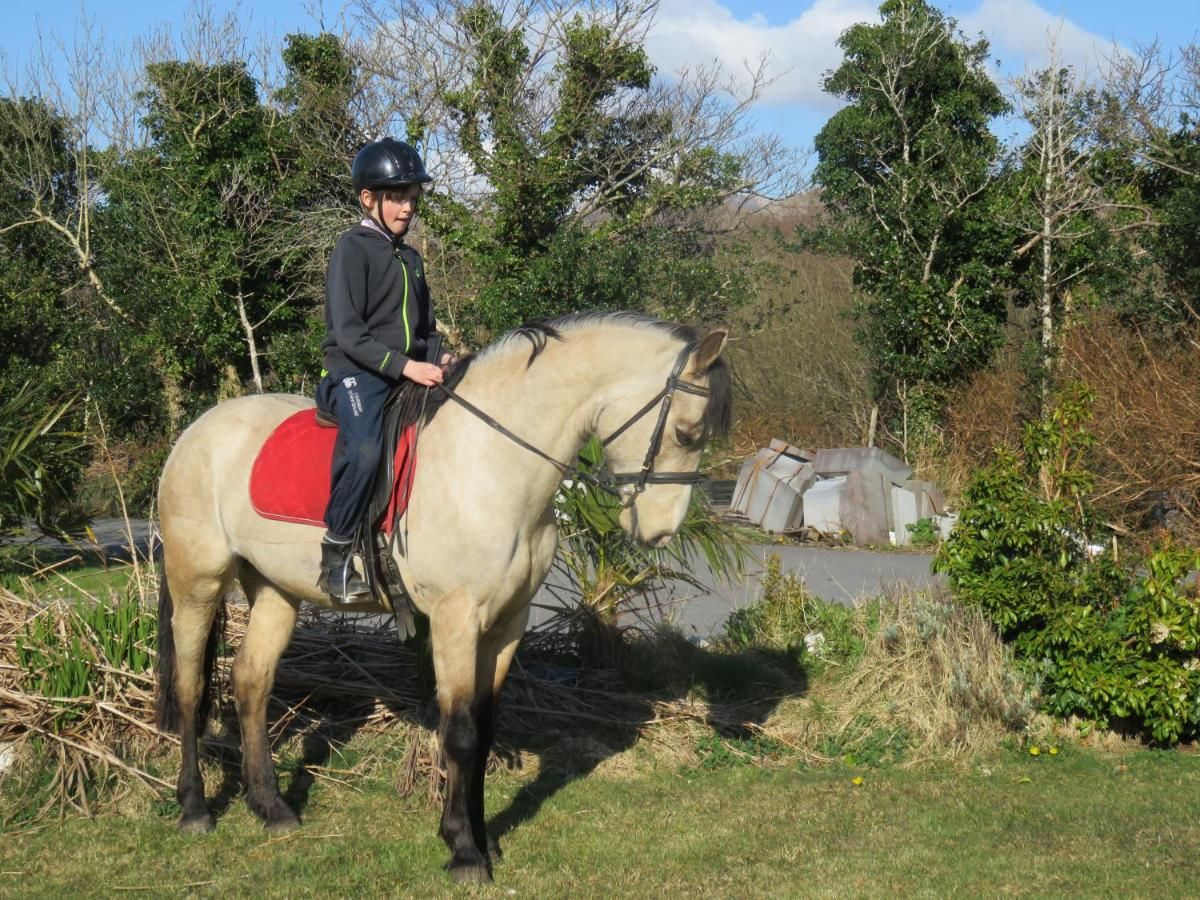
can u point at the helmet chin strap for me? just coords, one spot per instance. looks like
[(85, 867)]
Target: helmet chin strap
[(377, 214)]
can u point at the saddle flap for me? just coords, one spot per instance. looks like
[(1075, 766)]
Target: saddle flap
[(290, 478)]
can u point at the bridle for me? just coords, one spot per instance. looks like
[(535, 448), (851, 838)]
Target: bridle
[(626, 485)]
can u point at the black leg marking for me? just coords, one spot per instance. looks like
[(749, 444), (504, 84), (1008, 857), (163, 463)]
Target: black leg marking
[(463, 834)]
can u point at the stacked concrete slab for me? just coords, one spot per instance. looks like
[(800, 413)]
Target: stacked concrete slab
[(865, 506), (864, 491), (771, 485)]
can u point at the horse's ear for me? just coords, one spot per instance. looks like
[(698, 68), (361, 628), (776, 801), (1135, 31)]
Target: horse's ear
[(710, 348)]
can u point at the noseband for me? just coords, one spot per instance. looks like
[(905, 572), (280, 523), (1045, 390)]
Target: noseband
[(618, 483)]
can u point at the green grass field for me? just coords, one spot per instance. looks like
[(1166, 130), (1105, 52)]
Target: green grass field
[(1081, 823)]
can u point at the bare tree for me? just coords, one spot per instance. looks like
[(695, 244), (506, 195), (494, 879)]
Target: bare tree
[(73, 97), (1157, 92), (1067, 207)]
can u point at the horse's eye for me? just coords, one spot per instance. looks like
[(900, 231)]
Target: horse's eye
[(687, 437)]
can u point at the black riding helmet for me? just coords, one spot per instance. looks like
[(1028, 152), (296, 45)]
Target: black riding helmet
[(387, 164)]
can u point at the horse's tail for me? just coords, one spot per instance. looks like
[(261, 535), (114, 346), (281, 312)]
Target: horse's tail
[(166, 700)]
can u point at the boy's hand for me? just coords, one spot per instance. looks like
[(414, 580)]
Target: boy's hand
[(426, 374), (446, 360)]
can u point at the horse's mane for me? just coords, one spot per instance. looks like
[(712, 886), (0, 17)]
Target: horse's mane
[(417, 405)]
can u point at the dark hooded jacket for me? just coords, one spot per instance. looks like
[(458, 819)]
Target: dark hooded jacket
[(378, 312)]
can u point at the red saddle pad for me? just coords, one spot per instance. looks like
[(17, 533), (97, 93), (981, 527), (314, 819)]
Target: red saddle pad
[(289, 481)]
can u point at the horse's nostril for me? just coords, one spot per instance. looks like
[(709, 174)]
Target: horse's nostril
[(661, 539)]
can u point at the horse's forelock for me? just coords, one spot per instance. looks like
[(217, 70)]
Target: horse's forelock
[(718, 413)]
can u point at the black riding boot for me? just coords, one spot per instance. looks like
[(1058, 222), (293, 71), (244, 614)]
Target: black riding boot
[(338, 577)]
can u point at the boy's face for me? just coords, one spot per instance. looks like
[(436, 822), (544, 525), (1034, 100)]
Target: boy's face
[(396, 208)]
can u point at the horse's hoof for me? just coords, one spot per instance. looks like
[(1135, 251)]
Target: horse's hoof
[(279, 818), (466, 872), (282, 824), (495, 854), (197, 824)]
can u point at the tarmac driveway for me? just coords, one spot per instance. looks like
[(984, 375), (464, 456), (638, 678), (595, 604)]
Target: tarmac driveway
[(841, 575)]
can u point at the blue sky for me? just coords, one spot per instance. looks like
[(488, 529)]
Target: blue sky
[(797, 37)]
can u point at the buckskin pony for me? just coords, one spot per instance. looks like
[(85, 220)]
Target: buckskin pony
[(479, 532)]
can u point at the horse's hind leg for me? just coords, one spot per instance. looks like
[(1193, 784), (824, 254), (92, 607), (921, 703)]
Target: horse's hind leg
[(195, 596), (272, 619)]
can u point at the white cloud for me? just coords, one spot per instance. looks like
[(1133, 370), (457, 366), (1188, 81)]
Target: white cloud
[(688, 33), (1021, 31)]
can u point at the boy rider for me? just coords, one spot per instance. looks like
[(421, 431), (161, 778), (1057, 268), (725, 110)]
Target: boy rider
[(378, 318)]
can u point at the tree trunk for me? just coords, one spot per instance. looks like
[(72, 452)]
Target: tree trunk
[(251, 344)]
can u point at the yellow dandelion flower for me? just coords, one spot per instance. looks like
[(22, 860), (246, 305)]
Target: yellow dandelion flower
[(857, 781), (1054, 751), (1034, 751)]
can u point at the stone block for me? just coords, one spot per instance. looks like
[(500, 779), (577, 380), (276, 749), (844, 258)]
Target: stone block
[(841, 460), (864, 507), (770, 490), (930, 500), (823, 505), (905, 512), (790, 450)]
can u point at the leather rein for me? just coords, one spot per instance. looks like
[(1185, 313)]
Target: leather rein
[(616, 482)]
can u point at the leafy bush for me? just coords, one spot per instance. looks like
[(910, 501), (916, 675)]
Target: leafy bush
[(788, 617), (1113, 646), (923, 533), (607, 570), (40, 458)]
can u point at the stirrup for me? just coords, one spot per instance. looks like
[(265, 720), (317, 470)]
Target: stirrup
[(353, 589)]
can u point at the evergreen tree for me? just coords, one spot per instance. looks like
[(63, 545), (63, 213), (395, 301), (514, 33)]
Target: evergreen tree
[(906, 169)]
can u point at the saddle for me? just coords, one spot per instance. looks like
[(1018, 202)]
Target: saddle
[(290, 482)]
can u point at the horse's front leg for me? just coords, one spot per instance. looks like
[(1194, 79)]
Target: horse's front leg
[(498, 657), (272, 619), (464, 709)]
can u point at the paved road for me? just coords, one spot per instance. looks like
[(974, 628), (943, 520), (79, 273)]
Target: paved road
[(834, 574), (842, 575)]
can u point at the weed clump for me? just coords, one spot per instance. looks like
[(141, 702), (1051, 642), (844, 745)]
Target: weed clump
[(899, 679), (787, 617), (933, 681)]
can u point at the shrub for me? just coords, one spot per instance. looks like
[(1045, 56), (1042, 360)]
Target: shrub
[(924, 533), (1109, 645), (788, 617)]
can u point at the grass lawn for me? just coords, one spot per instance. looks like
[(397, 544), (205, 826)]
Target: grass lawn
[(1077, 824), (74, 578)]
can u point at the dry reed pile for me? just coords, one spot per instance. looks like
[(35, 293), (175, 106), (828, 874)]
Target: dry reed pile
[(934, 682), (102, 738), (342, 675)]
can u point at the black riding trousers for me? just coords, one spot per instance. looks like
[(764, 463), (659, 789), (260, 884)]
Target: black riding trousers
[(356, 399)]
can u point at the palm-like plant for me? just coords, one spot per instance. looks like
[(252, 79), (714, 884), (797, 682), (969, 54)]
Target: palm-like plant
[(606, 570), (35, 450)]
